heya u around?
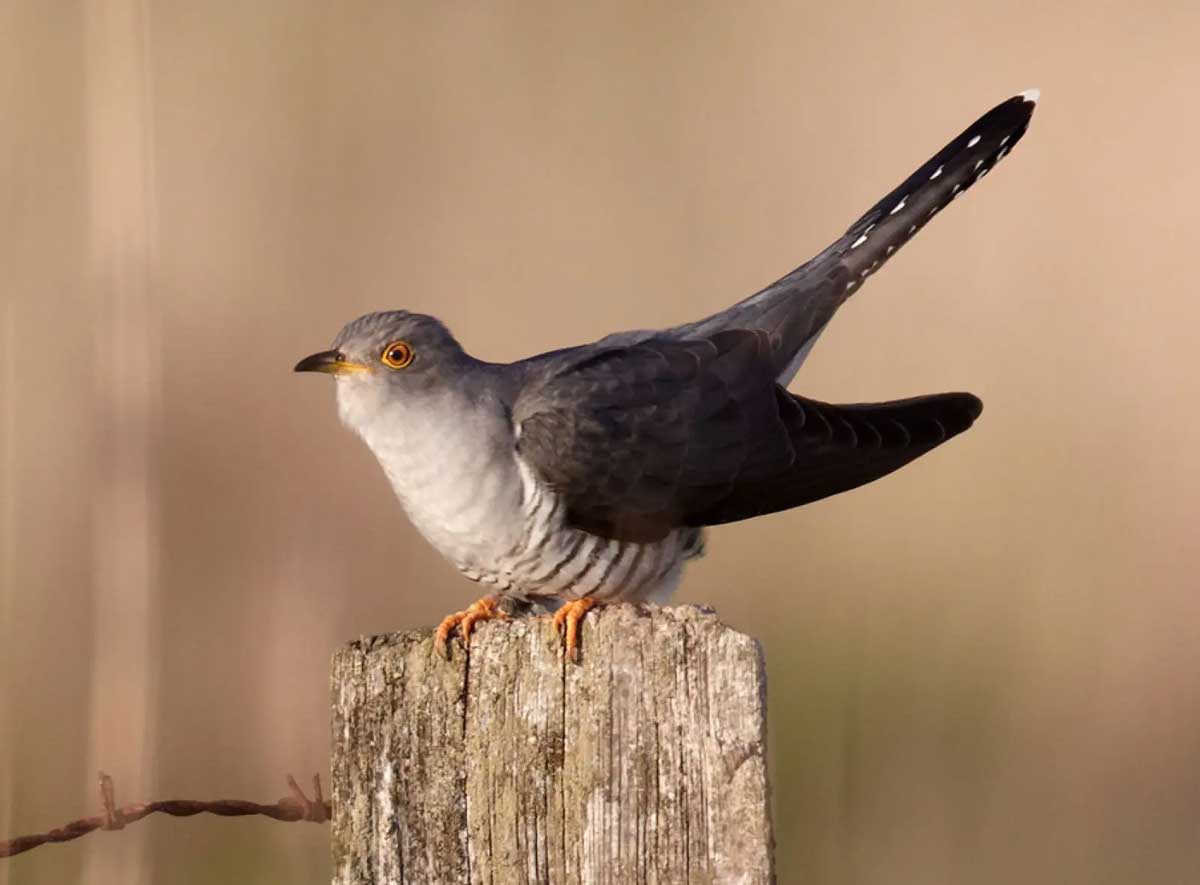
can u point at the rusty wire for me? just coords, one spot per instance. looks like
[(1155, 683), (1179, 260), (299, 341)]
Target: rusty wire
[(294, 807)]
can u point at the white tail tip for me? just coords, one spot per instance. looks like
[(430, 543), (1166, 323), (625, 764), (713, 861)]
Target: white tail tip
[(1031, 95)]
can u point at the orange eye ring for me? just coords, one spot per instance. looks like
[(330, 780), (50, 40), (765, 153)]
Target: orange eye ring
[(397, 355)]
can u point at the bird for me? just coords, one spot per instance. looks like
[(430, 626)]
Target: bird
[(587, 475)]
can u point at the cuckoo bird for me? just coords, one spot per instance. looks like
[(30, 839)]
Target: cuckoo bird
[(587, 475)]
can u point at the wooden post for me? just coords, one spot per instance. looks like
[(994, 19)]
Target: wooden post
[(644, 763)]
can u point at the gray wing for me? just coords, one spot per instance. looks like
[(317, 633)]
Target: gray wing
[(638, 437), (794, 310), (645, 438)]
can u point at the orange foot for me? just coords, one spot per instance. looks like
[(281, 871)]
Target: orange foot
[(486, 609), (571, 614)]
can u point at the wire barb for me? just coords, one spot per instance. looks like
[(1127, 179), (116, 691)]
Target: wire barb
[(290, 808), (113, 819)]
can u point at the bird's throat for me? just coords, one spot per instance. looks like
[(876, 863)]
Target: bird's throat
[(456, 478)]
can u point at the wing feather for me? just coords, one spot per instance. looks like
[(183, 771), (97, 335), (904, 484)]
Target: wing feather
[(646, 438)]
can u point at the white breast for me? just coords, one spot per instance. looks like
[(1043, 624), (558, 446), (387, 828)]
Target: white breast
[(484, 509), (456, 477)]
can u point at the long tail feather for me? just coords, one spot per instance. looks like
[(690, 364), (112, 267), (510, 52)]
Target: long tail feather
[(891, 222), (795, 309)]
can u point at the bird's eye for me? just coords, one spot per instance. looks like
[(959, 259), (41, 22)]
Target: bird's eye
[(397, 355)]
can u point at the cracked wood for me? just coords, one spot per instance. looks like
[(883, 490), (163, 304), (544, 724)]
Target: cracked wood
[(646, 763)]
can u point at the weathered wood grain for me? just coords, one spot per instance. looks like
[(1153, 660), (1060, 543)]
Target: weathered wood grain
[(646, 763)]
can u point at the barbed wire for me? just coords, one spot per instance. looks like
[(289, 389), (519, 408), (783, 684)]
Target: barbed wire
[(290, 808)]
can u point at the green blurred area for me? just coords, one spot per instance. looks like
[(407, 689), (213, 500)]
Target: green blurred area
[(982, 669)]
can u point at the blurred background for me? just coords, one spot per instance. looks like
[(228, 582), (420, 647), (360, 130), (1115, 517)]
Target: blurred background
[(985, 668)]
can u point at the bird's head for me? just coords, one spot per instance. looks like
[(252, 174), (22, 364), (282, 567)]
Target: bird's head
[(388, 358)]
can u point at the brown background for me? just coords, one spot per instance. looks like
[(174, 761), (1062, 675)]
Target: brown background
[(982, 669)]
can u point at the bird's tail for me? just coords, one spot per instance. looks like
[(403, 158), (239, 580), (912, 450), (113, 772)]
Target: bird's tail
[(891, 222), (795, 308)]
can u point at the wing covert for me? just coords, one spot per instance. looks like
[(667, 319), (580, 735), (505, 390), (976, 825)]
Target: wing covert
[(637, 437), (660, 434)]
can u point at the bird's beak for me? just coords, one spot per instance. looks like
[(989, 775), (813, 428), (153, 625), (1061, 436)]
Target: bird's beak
[(331, 362)]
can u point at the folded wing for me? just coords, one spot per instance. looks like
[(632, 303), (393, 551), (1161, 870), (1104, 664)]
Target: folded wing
[(646, 438)]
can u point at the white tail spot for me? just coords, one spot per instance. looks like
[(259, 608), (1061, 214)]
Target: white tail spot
[(858, 242), (1031, 95), (978, 163), (850, 285), (1000, 156), (936, 173), (898, 206), (974, 141), (1004, 140), (981, 174), (891, 249)]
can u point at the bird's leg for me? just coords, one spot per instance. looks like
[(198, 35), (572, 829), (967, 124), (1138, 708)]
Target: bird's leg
[(486, 609), (571, 614)]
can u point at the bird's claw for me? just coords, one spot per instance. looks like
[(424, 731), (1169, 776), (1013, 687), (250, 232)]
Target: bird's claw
[(570, 615), (485, 609)]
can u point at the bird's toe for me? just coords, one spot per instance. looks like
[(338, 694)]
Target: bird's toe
[(569, 617), (485, 609)]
